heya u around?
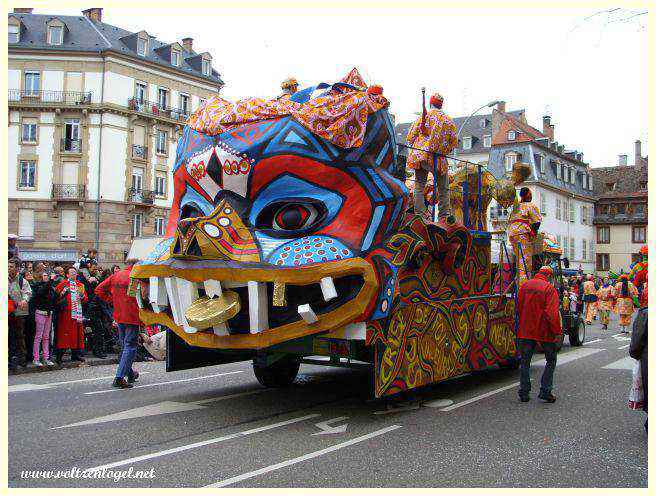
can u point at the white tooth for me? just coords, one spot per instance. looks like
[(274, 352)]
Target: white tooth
[(328, 288), (138, 297), (182, 293), (212, 288), (157, 294), (306, 312), (258, 306)]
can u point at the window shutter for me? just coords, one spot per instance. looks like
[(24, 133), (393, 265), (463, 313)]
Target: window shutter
[(26, 223), (68, 224)]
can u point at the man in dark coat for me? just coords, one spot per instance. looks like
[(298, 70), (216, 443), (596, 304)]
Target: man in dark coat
[(638, 349), (90, 277), (539, 321)]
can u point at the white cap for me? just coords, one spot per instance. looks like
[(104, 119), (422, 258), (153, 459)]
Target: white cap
[(12, 236)]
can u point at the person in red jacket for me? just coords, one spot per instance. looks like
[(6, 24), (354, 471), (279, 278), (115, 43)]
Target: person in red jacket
[(539, 321), (114, 290)]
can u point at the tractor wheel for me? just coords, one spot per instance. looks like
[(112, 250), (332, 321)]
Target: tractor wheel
[(281, 373), (577, 333)]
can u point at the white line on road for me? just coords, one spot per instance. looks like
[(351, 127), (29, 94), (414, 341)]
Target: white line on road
[(309, 456), (623, 347), (479, 397), (202, 443), (593, 341), (47, 385), (167, 382)]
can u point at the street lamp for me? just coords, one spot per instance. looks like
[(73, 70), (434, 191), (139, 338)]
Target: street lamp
[(491, 104)]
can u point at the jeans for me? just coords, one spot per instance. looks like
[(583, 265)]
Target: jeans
[(526, 350), (127, 335)]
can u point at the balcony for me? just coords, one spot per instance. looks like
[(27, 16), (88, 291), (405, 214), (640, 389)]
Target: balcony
[(69, 192), (46, 96), (139, 152), (157, 109), (141, 196), (71, 145)]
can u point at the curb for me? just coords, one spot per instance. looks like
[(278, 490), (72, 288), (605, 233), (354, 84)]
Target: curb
[(64, 365)]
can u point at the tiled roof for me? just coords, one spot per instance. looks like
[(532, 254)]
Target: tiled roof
[(524, 131), (84, 35), (620, 181)]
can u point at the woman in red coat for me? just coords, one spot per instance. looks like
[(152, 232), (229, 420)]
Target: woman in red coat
[(70, 330)]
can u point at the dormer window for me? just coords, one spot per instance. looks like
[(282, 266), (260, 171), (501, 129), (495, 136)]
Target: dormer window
[(55, 35), (466, 143), (142, 46), (175, 58), (487, 141), (512, 135), (14, 33), (510, 160), (482, 122), (206, 67)]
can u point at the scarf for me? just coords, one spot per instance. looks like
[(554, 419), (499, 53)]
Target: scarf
[(76, 304)]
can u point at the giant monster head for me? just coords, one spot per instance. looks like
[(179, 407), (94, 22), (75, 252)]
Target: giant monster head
[(279, 207)]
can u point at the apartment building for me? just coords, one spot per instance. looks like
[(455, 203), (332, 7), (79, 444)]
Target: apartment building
[(620, 212), (95, 113)]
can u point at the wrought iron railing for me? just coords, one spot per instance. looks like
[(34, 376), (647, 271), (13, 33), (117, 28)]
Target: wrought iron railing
[(157, 108), (47, 96), (68, 192), (139, 151), (71, 145), (141, 196)]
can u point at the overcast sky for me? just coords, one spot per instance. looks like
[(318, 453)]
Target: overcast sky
[(590, 74)]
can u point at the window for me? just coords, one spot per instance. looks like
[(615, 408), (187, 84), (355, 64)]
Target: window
[(25, 223), (142, 46), (160, 185), (512, 135), (175, 58), (572, 246), (621, 208), (68, 225), (137, 179), (14, 33), (201, 102), (584, 214), (559, 205), (639, 209), (565, 245), (584, 249), (539, 162), (590, 183), (543, 203), (162, 98), (206, 67), (466, 143), (161, 142), (639, 234), (137, 225), (482, 122), (572, 213), (27, 174), (56, 35), (487, 140), (32, 83), (160, 226), (603, 234), (71, 140), (140, 92), (603, 261), (572, 175), (28, 133), (602, 209), (584, 181), (184, 103), (510, 160)]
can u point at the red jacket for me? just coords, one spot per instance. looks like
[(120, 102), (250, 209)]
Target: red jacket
[(539, 314), (114, 290)]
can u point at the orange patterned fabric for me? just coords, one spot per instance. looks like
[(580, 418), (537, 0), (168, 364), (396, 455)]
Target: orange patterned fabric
[(354, 78), (339, 117), (440, 136)]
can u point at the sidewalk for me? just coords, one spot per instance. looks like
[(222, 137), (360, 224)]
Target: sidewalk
[(90, 361)]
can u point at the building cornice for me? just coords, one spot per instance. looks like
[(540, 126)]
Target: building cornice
[(559, 190)]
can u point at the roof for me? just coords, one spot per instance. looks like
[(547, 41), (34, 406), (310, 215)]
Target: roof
[(524, 131), (84, 35), (620, 181)]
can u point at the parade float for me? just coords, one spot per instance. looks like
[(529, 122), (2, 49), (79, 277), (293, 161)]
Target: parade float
[(290, 238)]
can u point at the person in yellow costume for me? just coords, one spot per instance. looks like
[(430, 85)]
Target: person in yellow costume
[(289, 86), (590, 298), (605, 296), (523, 226), (433, 132), (625, 292)]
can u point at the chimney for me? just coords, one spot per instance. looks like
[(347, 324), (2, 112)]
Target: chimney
[(547, 127), (188, 44), (93, 14), (501, 106), (638, 153), (23, 10), (622, 160)]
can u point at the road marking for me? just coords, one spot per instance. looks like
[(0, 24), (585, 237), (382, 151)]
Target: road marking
[(34, 387), (625, 346), (479, 397), (440, 403), (626, 363), (309, 456), (326, 428), (404, 407), (166, 382), (202, 443), (230, 396), (593, 341)]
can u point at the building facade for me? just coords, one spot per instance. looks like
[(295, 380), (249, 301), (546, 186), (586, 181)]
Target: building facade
[(620, 213), (95, 113)]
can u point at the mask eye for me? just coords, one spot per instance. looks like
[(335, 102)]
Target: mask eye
[(283, 218)]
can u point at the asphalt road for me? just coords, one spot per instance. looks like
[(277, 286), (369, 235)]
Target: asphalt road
[(218, 426)]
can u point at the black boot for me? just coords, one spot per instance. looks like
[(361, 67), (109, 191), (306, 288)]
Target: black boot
[(59, 356), (121, 383)]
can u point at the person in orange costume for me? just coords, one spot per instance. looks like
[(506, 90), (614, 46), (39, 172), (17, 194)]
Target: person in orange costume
[(590, 298), (523, 226), (433, 132), (625, 291), (605, 296), (289, 86)]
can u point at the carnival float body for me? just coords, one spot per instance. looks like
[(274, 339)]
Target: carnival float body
[(290, 237)]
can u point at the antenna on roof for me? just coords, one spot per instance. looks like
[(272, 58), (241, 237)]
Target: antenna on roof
[(547, 110)]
